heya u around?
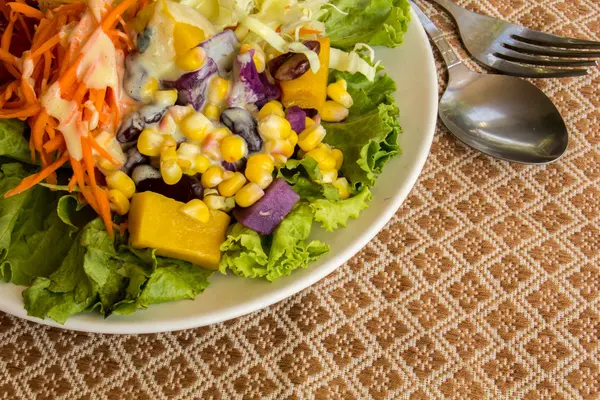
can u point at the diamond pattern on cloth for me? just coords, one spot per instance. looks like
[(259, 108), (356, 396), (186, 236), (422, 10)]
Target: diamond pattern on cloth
[(484, 285)]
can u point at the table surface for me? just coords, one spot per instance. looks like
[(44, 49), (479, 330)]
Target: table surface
[(486, 284)]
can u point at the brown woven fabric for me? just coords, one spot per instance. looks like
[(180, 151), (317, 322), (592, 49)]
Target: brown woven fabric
[(486, 284)]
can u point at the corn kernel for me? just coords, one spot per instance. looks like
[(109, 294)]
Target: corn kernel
[(121, 181), (338, 93), (231, 186), (167, 125), (188, 151), (165, 97), (308, 122), (211, 192), (279, 146), (323, 157), (333, 112), (105, 165), (343, 187), (329, 175), (168, 142), (212, 176), (170, 171), (215, 202), (264, 181), (272, 107), (119, 203), (218, 90), (227, 174), (196, 209), (338, 157), (259, 162), (233, 148), (274, 126), (279, 160), (293, 139), (195, 126), (201, 164), (229, 204), (150, 142), (168, 154), (148, 89), (249, 195), (178, 113), (212, 111), (311, 137), (191, 60), (219, 134)]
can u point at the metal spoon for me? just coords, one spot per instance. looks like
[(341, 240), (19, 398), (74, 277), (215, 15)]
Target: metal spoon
[(502, 116)]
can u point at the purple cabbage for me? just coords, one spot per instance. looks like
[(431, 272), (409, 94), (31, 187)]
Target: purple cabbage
[(297, 118), (136, 121), (249, 86), (221, 48), (268, 212), (191, 87)]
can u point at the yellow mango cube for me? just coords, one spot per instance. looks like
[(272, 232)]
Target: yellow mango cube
[(156, 221), (309, 90)]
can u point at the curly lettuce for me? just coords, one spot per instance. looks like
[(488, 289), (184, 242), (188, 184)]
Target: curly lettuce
[(335, 214)]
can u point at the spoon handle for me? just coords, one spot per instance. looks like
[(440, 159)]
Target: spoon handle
[(437, 38)]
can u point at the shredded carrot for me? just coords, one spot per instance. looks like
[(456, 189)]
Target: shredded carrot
[(50, 131), (50, 43), (102, 151), (7, 57), (54, 143), (33, 180), (25, 27), (72, 183), (79, 93), (38, 129), (26, 10), (115, 13), (30, 111), (70, 76), (100, 195)]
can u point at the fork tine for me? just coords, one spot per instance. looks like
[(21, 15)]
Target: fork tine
[(507, 54), (529, 71), (547, 39), (523, 47)]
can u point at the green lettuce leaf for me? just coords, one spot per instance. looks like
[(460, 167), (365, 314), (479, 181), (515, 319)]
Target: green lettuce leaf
[(95, 274), (375, 22), (250, 255), (12, 142), (302, 175), (34, 239), (335, 214), (369, 137)]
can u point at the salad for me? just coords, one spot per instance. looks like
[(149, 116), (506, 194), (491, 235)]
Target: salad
[(147, 144)]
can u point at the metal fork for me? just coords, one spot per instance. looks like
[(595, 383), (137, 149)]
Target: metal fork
[(516, 50)]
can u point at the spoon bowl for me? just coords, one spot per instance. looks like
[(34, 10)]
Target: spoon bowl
[(503, 116)]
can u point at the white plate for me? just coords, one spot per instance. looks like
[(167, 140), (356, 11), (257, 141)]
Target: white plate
[(412, 67)]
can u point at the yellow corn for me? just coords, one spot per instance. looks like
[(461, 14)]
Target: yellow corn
[(229, 204), (168, 142), (148, 89), (210, 192), (212, 176), (338, 92), (279, 146), (178, 113), (168, 154), (195, 126), (191, 60), (233, 148), (293, 139), (150, 142), (322, 156), (218, 90), (186, 36), (188, 152), (333, 112), (121, 181), (227, 174), (338, 157), (279, 160), (311, 137), (329, 175), (215, 202), (249, 195), (105, 165), (231, 186), (219, 134), (167, 125), (343, 187), (258, 57), (170, 171), (274, 126), (119, 203), (309, 122), (196, 209), (201, 164), (165, 97), (259, 169), (272, 107), (212, 111)]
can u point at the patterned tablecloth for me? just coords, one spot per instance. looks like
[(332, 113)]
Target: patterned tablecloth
[(486, 284)]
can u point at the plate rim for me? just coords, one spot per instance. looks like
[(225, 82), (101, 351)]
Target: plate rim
[(147, 327)]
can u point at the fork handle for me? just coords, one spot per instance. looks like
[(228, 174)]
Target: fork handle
[(437, 38)]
